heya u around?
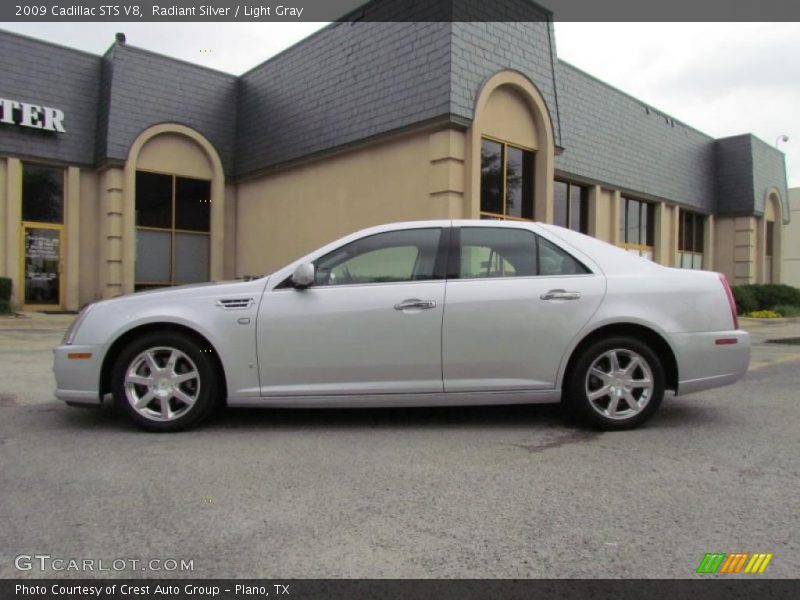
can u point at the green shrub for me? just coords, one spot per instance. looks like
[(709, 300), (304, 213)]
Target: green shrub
[(765, 296), (787, 310), (5, 289), (745, 299), (5, 307), (771, 294)]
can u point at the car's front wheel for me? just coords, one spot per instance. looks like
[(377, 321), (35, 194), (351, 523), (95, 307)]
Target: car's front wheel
[(615, 384), (165, 382)]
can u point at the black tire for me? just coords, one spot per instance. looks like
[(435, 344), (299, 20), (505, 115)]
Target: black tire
[(578, 384), (192, 361)]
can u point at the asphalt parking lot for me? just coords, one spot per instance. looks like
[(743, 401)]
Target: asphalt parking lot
[(504, 492)]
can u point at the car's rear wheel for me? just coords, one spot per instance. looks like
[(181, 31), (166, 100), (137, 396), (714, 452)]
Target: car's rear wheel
[(615, 384), (165, 382)]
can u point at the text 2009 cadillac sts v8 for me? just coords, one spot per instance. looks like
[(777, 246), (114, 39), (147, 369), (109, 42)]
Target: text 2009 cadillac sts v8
[(416, 314)]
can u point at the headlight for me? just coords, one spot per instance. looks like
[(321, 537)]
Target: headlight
[(69, 336)]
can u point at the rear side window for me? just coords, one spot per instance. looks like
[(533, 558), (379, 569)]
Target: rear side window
[(488, 252), (555, 261)]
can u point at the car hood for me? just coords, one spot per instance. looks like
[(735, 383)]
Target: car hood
[(195, 290)]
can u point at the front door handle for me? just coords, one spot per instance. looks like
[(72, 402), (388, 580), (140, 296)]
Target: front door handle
[(560, 295), (415, 303)]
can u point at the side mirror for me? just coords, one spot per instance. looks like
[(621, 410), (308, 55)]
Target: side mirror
[(303, 276)]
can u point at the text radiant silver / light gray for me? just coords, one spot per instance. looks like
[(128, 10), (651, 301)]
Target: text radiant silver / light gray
[(416, 314)]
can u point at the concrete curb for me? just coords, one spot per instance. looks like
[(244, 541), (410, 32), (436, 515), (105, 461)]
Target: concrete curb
[(35, 320)]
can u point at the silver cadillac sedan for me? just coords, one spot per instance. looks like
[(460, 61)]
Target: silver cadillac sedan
[(433, 313)]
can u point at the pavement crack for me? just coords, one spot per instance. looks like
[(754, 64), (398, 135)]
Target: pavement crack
[(571, 437)]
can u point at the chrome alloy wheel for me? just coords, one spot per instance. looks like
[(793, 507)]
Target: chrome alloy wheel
[(619, 384), (162, 384)]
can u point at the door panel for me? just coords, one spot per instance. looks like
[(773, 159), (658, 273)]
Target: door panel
[(499, 334), (351, 339), (42, 266)]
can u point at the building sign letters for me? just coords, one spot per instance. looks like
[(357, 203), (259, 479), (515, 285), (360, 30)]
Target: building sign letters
[(23, 114)]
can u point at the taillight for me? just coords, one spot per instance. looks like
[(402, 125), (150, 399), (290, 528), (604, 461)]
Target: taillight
[(731, 301)]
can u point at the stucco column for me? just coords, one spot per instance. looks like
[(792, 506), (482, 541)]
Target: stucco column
[(744, 270), (662, 235), (112, 226), (13, 219), (3, 248), (72, 201), (446, 153), (616, 211), (216, 262), (708, 244)]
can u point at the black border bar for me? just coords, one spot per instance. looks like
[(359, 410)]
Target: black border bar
[(395, 10), (707, 588)]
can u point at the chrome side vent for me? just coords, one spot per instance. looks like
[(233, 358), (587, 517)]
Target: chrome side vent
[(235, 303)]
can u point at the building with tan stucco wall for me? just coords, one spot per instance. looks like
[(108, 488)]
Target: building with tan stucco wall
[(790, 273), (135, 170)]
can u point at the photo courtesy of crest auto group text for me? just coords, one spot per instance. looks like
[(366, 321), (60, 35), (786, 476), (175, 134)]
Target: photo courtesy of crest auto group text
[(399, 299)]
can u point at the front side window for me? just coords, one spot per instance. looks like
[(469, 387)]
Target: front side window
[(488, 252), (392, 257), (690, 240), (506, 181), (637, 227), (173, 221), (571, 206)]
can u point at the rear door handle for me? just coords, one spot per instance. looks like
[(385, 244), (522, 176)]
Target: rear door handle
[(415, 303), (560, 295)]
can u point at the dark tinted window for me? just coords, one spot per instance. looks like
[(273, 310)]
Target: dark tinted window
[(179, 208), (690, 232), (42, 194), (571, 206), (192, 204), (519, 183), (637, 222), (491, 177), (507, 180), (561, 204), (153, 200)]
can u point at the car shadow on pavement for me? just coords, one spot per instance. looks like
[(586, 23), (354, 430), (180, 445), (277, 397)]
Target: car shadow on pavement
[(543, 416), (546, 417), (455, 417)]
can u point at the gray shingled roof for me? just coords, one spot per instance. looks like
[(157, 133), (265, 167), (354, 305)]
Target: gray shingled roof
[(354, 81), (147, 88), (747, 169), (45, 74), (613, 138)]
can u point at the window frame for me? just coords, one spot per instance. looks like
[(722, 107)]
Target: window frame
[(697, 241), (649, 227), (141, 285), (504, 180), (583, 202)]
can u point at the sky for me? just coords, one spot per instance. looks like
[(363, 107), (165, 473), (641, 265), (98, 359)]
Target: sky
[(721, 78)]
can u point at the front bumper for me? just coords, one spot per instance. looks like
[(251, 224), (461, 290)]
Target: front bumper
[(78, 377), (710, 359)]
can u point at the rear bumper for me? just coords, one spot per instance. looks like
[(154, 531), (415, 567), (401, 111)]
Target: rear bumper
[(710, 359), (78, 379)]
